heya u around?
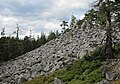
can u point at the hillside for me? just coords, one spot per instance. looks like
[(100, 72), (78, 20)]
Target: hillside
[(53, 55), (86, 52)]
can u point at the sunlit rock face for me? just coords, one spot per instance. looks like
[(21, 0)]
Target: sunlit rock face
[(65, 49)]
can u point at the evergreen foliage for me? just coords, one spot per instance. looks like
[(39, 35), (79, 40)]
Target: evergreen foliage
[(64, 25), (11, 47), (106, 15), (51, 36)]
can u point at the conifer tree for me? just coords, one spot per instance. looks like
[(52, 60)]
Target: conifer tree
[(64, 25), (105, 7)]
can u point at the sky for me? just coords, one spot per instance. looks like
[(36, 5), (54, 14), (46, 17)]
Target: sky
[(39, 15)]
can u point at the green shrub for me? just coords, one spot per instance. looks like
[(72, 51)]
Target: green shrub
[(94, 76), (79, 72), (97, 54), (86, 72), (77, 76), (67, 76)]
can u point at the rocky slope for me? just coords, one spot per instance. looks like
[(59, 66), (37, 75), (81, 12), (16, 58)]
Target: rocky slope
[(51, 56)]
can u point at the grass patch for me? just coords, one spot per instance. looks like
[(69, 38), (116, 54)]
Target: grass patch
[(80, 72)]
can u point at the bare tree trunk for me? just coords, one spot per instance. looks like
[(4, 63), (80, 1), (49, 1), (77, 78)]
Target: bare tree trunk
[(108, 45)]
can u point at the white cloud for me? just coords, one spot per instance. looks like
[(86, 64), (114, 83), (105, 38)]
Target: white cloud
[(9, 20), (67, 4), (39, 15)]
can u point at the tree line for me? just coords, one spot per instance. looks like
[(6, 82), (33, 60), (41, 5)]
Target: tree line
[(12, 47)]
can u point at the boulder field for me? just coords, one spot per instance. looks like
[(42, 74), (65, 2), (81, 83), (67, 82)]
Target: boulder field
[(65, 49)]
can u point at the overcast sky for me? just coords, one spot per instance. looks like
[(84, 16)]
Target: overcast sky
[(39, 15)]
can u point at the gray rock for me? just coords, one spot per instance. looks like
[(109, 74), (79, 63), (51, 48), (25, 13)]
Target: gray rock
[(82, 53), (110, 76), (57, 81), (103, 82), (47, 68), (21, 79), (55, 68), (34, 74)]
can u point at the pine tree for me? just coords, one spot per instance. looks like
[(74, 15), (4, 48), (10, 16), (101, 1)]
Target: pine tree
[(73, 21), (43, 39), (51, 36), (105, 7), (64, 25)]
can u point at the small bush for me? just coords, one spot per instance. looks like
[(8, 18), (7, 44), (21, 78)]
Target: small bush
[(94, 76)]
